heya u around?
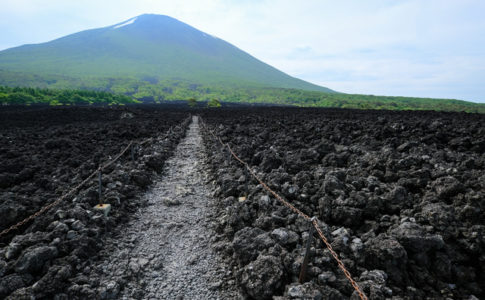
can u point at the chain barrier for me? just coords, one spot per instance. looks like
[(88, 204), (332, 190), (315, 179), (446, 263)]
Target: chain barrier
[(55, 203), (74, 189), (314, 221)]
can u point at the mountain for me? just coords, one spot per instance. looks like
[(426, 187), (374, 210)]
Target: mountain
[(151, 48), (153, 58)]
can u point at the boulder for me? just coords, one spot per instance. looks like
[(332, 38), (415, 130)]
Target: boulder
[(332, 184), (414, 238), (262, 278), (33, 259), (447, 187), (397, 199), (13, 282), (249, 242), (386, 253), (284, 236), (141, 179)]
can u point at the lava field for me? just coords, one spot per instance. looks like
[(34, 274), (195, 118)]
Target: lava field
[(400, 196), (44, 152)]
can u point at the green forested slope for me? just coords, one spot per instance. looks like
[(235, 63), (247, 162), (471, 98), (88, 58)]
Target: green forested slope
[(168, 90), (27, 96), (153, 48), (153, 58)]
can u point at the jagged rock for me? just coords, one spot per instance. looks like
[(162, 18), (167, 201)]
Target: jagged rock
[(38, 259), (414, 238), (9, 211), (78, 225), (388, 254), (326, 277), (332, 184), (141, 179), (261, 278), (447, 187), (271, 160), (71, 235), (33, 259), (156, 162), (13, 249), (398, 198), (55, 278), (13, 282), (3, 267), (249, 242), (357, 247), (170, 201), (378, 276), (284, 236), (109, 290)]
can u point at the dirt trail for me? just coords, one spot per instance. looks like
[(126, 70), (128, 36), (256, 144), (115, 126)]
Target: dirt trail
[(164, 252)]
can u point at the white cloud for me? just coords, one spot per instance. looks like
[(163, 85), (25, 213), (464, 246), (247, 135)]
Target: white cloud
[(410, 47)]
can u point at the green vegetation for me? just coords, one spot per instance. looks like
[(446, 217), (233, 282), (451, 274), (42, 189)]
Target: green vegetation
[(27, 96), (214, 103), (151, 49), (169, 90), (192, 102), (157, 58)]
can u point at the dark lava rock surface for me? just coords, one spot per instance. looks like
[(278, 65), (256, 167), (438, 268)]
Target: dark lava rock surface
[(400, 196), (44, 152)]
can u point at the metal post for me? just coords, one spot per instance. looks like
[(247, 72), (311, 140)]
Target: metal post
[(246, 184), (100, 191), (304, 265), (132, 154), (228, 155)]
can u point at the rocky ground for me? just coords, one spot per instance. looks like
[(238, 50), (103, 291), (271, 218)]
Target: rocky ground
[(164, 251), (400, 195), (46, 151)]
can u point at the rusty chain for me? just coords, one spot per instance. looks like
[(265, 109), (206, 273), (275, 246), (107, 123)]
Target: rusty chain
[(339, 262), (55, 203), (314, 221), (74, 189)]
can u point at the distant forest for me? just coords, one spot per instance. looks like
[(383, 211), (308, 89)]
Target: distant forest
[(27, 96), (59, 90)]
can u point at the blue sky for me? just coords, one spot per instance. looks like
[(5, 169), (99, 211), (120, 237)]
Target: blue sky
[(433, 48)]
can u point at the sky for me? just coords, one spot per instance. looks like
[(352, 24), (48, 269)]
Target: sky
[(432, 48)]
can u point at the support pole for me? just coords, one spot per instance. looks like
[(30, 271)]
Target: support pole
[(304, 265), (132, 154), (100, 190), (246, 184), (228, 155)]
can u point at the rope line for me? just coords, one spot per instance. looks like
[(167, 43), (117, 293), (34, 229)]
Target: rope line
[(314, 221)]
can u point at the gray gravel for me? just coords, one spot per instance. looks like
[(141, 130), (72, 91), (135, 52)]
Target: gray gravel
[(165, 252)]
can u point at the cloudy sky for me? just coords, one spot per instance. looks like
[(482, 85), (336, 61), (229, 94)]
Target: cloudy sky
[(432, 48)]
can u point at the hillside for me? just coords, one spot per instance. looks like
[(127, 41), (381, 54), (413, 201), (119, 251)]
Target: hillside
[(28, 96), (154, 58), (150, 48)]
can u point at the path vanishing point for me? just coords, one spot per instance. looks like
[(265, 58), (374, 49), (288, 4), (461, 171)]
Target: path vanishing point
[(164, 250)]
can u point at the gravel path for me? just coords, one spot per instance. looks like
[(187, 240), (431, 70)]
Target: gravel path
[(165, 251)]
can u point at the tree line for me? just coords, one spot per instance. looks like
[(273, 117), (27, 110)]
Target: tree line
[(29, 95)]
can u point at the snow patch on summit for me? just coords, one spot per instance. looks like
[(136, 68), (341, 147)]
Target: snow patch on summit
[(209, 35), (131, 21)]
